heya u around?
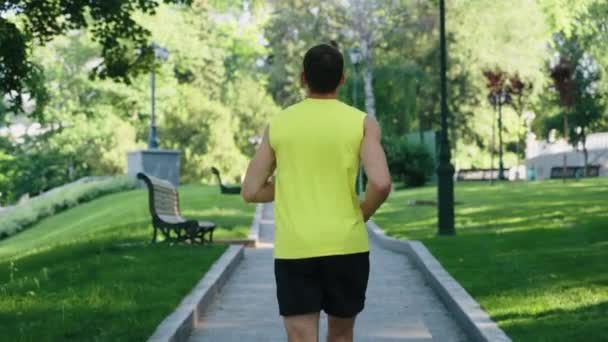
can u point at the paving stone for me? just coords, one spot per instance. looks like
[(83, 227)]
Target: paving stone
[(399, 307)]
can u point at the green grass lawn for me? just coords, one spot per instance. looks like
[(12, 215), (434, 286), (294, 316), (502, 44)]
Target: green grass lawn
[(534, 254), (89, 273)]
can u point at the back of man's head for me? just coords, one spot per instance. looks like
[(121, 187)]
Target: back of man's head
[(323, 68)]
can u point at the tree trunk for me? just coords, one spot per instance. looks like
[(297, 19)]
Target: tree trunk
[(585, 153), (365, 30), (493, 147), (586, 160), (370, 99), (520, 139), (518, 154), (565, 167)]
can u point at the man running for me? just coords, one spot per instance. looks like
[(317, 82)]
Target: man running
[(321, 245)]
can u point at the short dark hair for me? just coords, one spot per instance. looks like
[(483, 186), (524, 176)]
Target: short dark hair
[(323, 68)]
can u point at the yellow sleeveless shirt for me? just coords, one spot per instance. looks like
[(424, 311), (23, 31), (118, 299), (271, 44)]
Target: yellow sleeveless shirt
[(317, 213)]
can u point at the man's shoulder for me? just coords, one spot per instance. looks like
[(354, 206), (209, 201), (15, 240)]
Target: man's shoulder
[(337, 107), (352, 110), (287, 110)]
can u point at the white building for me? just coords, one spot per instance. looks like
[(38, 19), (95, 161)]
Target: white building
[(21, 127), (543, 156)]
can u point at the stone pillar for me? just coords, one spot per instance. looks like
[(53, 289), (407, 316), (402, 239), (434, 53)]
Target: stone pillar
[(160, 163)]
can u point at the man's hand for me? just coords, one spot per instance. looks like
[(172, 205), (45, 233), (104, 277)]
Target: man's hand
[(256, 188), (376, 168)]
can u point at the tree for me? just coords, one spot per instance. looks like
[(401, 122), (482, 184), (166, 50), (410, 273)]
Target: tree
[(576, 75), (520, 92), (491, 35), (111, 23), (294, 27), (366, 24), (498, 97), (211, 98), (297, 25)]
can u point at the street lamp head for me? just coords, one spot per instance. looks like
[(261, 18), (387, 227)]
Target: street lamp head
[(506, 98), (160, 52), (355, 55), (493, 98)]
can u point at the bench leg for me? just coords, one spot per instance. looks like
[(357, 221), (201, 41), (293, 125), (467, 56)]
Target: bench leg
[(166, 233), (181, 234), (154, 235), (211, 235), (201, 235)]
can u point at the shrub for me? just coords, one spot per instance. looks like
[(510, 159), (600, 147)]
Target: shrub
[(408, 163), (22, 216)]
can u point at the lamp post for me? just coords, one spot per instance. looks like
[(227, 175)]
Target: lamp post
[(355, 58), (492, 101), (445, 170), (162, 54), (498, 99)]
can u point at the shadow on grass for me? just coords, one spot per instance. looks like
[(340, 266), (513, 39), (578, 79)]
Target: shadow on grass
[(97, 290), (587, 323), (533, 254), (585, 310)]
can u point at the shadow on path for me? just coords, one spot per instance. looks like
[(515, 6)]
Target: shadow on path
[(399, 306)]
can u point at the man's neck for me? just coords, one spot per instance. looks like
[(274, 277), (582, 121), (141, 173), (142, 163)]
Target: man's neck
[(328, 96)]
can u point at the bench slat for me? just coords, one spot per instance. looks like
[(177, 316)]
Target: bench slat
[(172, 219)]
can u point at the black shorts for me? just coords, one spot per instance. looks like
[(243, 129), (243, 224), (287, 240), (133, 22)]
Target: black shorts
[(335, 284)]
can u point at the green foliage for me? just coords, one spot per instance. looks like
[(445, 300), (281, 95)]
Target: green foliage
[(210, 102), (408, 163), (211, 114), (397, 89), (531, 253), (294, 27), (565, 15), (230, 62), (83, 132), (25, 215), (111, 24), (577, 99), (482, 34), (88, 146)]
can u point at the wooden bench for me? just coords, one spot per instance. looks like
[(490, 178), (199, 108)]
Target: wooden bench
[(226, 190), (164, 208), (575, 171), (476, 174)]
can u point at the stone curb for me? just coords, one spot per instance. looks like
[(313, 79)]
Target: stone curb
[(247, 242), (179, 325), (254, 230), (476, 323)]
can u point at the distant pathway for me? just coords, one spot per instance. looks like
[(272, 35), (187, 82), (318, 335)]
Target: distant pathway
[(399, 306)]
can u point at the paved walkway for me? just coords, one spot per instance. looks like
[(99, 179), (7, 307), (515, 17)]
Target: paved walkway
[(399, 306)]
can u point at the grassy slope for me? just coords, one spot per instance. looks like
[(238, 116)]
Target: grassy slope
[(126, 215), (84, 274), (535, 255)]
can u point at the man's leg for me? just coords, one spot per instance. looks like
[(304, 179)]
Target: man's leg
[(299, 295), (340, 329), (302, 328), (344, 285)]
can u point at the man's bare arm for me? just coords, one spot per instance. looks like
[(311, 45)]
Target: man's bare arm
[(376, 169), (256, 188)]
